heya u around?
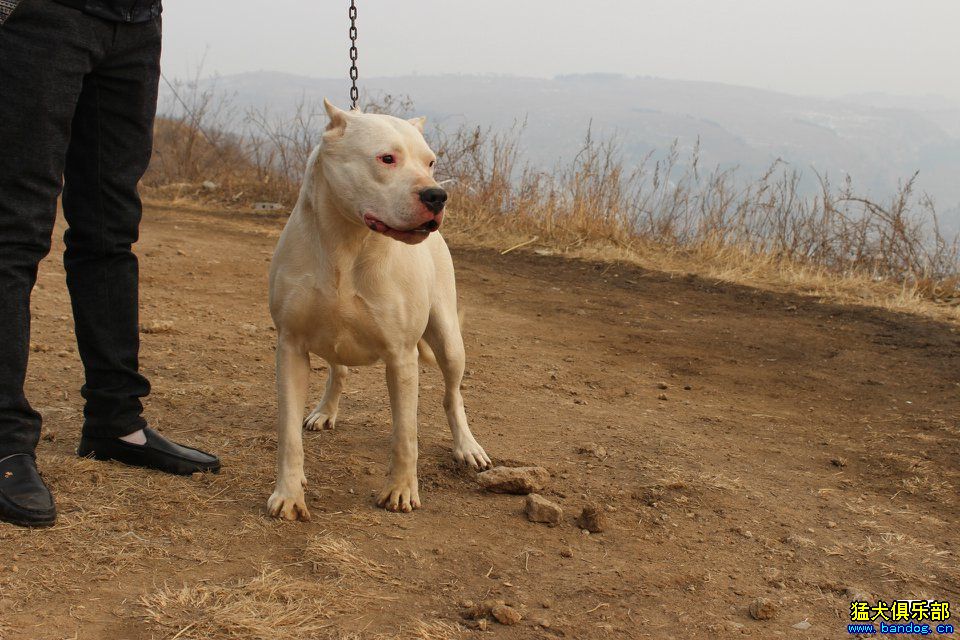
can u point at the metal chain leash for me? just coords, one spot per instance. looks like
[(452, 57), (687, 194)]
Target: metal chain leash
[(354, 73)]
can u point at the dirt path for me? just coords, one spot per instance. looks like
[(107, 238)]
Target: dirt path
[(799, 449)]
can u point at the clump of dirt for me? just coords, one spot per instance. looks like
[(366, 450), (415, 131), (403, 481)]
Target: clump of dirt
[(763, 609), (539, 509), (593, 519), (517, 480)]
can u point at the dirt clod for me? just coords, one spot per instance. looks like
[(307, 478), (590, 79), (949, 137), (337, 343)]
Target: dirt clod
[(517, 480), (763, 609), (472, 611), (157, 326), (856, 594), (506, 615), (592, 449), (592, 518), (539, 509), (732, 626)]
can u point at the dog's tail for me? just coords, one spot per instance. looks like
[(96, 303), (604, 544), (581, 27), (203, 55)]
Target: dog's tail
[(427, 356)]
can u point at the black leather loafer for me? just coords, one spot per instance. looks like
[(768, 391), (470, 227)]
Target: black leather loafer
[(24, 498), (158, 453)]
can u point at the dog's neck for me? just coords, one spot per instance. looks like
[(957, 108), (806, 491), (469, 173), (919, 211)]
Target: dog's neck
[(324, 214)]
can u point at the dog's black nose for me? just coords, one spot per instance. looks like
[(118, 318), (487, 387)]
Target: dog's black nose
[(433, 198)]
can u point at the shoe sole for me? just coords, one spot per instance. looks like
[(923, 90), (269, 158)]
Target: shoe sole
[(94, 455), (15, 516)]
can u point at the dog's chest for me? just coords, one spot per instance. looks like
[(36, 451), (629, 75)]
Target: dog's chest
[(355, 320), (345, 331)]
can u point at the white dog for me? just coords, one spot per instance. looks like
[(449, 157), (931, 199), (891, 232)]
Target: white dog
[(360, 275)]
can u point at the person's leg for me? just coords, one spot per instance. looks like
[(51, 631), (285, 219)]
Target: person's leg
[(109, 151), (44, 55), (45, 50)]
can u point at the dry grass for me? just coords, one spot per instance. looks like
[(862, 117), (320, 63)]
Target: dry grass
[(666, 214), (916, 476), (338, 557), (436, 630), (103, 534), (344, 587), (269, 606)]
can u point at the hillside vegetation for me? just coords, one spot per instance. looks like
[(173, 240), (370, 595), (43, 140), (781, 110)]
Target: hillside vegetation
[(671, 214)]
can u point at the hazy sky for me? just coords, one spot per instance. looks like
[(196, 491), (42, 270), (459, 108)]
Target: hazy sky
[(819, 47)]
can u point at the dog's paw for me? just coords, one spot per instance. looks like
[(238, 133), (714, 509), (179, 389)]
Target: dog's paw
[(289, 506), (472, 454), (400, 494), (318, 420)]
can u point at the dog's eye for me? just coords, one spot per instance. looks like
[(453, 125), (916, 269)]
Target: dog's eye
[(433, 162), (387, 159)]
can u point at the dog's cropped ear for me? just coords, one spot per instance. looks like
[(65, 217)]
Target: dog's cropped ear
[(338, 117), (418, 123)]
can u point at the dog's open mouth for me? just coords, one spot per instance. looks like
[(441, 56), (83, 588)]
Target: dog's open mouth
[(410, 236)]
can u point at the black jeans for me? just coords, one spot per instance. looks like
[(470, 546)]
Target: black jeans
[(78, 96)]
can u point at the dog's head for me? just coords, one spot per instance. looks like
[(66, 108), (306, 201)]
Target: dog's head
[(381, 172)]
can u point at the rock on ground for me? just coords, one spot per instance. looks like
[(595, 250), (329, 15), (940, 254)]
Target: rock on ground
[(539, 509), (505, 614), (763, 609), (592, 518), (518, 480)]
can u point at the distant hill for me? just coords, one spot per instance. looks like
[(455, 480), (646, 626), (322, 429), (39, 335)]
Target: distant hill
[(876, 139)]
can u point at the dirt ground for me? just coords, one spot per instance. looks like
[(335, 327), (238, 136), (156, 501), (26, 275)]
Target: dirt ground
[(749, 444)]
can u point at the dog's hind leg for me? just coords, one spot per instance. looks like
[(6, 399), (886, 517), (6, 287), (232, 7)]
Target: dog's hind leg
[(293, 368), (444, 337), (324, 415)]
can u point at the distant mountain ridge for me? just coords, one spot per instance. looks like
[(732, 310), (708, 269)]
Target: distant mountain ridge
[(877, 139)]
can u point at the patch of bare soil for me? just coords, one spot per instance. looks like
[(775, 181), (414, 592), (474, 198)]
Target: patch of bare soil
[(738, 446)]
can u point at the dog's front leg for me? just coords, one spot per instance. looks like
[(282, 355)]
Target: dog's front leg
[(443, 336), (401, 492), (293, 367)]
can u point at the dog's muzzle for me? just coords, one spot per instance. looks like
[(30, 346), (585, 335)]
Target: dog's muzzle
[(434, 199)]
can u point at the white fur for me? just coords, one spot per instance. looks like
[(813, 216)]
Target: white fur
[(353, 283)]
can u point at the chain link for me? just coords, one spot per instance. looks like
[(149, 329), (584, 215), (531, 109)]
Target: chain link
[(354, 73)]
